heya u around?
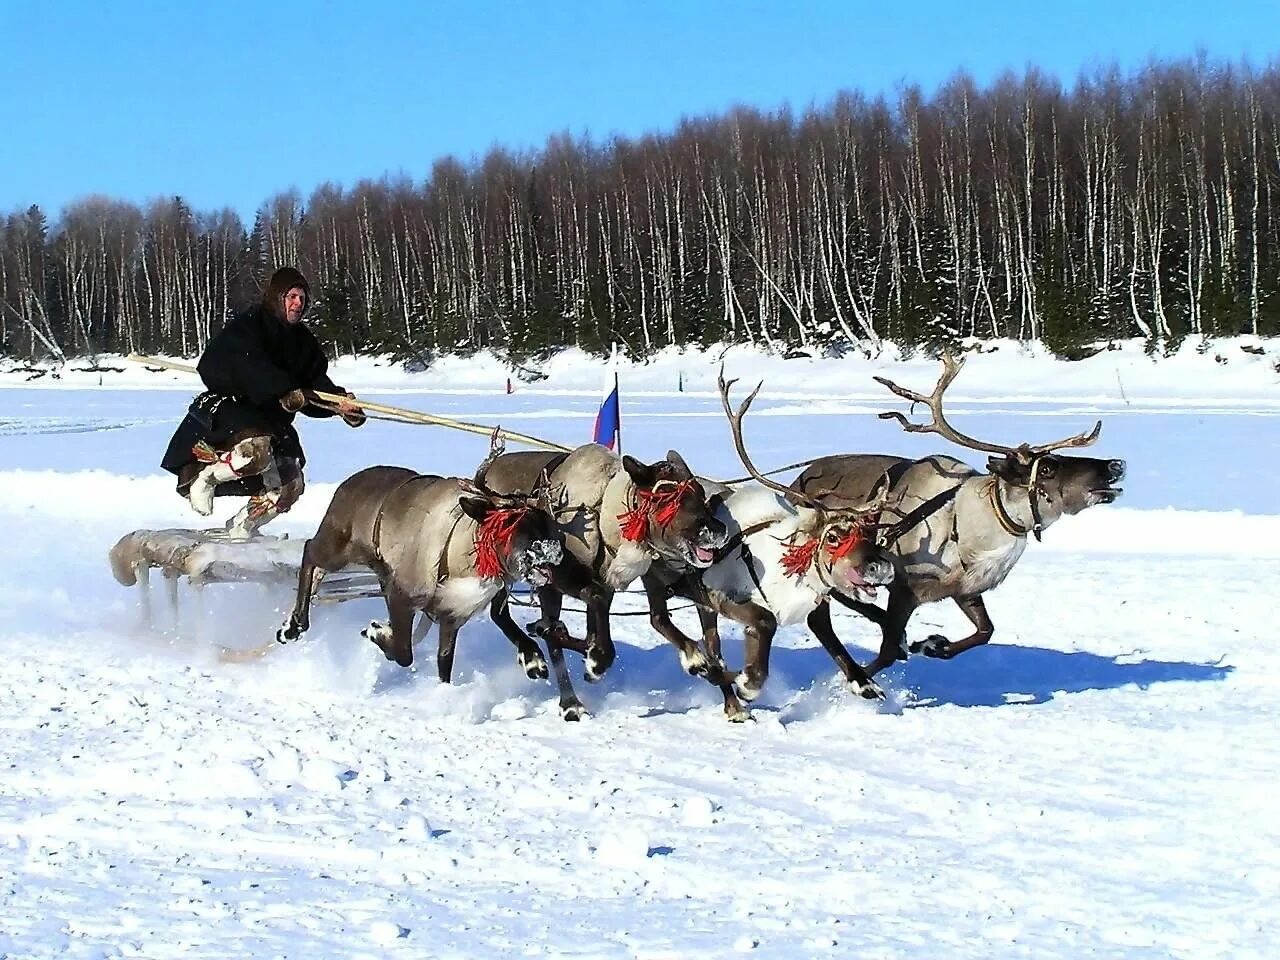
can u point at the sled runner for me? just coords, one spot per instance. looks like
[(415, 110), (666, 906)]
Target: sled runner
[(202, 557)]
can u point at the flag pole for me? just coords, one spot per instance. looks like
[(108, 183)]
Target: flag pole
[(618, 393)]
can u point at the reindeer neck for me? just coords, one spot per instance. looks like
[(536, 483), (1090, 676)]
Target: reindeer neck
[(1016, 500)]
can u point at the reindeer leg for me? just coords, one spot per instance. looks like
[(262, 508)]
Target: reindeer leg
[(869, 610), (445, 642), (692, 659), (549, 627), (733, 708), (530, 657), (893, 629), (938, 646), (571, 707), (600, 649), (859, 682), (758, 627), (309, 576), (396, 639)]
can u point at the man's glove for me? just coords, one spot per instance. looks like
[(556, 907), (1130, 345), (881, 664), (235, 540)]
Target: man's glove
[(293, 401), (351, 414)]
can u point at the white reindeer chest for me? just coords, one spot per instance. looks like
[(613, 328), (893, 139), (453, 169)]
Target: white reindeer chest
[(631, 561), (463, 597), (986, 569)]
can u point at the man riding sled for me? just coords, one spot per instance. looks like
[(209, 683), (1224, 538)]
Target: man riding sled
[(238, 438)]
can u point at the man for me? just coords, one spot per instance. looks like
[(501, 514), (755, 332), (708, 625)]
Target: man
[(238, 437)]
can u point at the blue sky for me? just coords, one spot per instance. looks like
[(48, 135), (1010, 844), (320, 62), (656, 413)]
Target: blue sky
[(229, 102)]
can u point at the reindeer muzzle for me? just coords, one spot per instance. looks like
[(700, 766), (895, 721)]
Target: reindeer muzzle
[(861, 582), (537, 562), (1109, 494), (701, 551)]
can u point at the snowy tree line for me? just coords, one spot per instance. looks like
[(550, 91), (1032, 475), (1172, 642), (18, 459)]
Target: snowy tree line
[(1142, 205)]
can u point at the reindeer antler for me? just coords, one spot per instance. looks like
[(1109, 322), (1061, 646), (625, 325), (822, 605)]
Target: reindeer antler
[(815, 501), (735, 425), (951, 367), (497, 447)]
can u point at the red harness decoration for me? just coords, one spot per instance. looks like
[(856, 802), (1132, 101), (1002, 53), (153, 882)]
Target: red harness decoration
[(493, 539), (798, 558), (846, 546), (660, 506)]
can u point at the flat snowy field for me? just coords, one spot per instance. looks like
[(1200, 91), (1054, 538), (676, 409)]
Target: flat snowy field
[(1099, 781)]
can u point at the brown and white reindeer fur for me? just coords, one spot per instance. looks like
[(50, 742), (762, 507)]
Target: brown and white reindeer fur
[(974, 525), (419, 534), (619, 517), (781, 563), (757, 583)]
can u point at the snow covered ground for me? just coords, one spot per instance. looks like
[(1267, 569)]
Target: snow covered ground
[(1098, 782)]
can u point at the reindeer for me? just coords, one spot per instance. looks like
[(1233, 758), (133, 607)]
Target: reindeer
[(619, 517), (781, 563), (963, 530), (442, 545)]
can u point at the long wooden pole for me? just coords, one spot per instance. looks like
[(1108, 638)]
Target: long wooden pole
[(402, 413)]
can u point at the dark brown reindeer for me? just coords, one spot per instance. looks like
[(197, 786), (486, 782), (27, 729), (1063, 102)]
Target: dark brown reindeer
[(441, 545), (782, 561), (973, 525), (619, 518)]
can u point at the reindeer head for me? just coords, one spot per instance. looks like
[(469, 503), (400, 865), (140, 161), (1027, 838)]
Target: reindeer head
[(1055, 483), (840, 547), (517, 537), (837, 544), (671, 514)]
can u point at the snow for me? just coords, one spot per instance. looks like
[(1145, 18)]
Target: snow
[(1096, 782)]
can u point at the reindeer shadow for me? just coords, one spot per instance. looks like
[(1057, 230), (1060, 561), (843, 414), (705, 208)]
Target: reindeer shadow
[(999, 675)]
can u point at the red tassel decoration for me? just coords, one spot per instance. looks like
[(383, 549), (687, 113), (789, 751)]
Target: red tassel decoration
[(798, 558), (846, 546), (662, 504), (635, 523), (493, 540)]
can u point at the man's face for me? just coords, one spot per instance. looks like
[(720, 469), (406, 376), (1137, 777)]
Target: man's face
[(295, 304)]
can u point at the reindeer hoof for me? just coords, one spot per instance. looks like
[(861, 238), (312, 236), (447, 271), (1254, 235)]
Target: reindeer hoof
[(936, 646), (380, 635), (290, 631), (533, 665), (573, 712), (747, 688), (596, 664), (870, 690), (738, 715), (695, 662)]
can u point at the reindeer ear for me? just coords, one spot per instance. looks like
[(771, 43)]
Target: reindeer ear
[(477, 508), (641, 475), (1009, 470), (681, 468)]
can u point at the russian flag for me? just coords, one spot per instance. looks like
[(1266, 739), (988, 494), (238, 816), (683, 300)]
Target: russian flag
[(609, 417)]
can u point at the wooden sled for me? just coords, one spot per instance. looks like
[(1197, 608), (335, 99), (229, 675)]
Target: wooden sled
[(203, 557)]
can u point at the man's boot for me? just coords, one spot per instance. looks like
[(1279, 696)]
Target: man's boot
[(246, 459), (265, 507), (261, 509)]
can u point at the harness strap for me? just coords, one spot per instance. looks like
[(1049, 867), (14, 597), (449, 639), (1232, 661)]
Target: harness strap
[(739, 542), (739, 538), (377, 521), (1011, 526), (894, 531)]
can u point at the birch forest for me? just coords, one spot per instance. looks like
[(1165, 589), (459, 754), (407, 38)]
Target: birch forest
[(1128, 205)]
